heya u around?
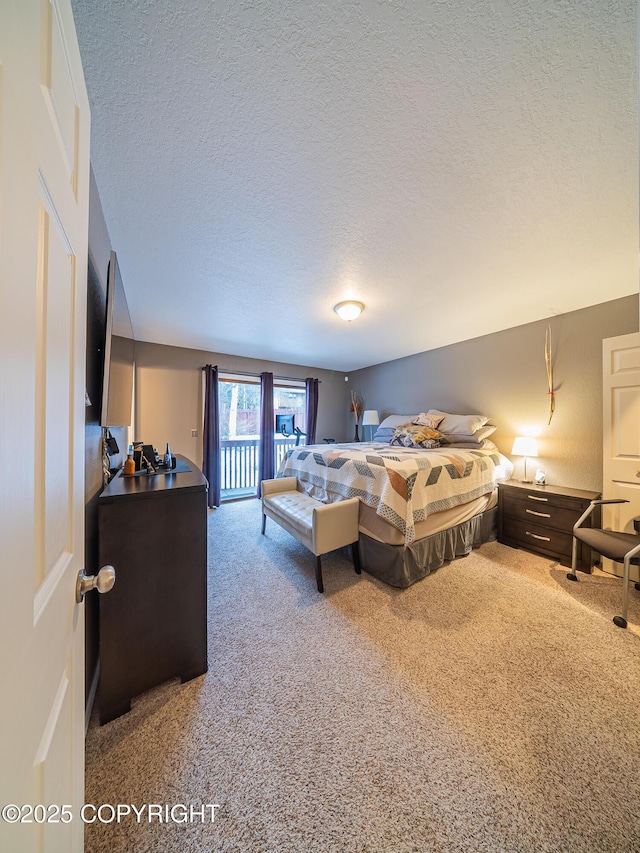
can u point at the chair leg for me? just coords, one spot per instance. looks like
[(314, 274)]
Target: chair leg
[(264, 522), (621, 621), (572, 576), (355, 553), (319, 574)]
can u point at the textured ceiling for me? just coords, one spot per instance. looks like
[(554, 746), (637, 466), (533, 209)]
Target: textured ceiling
[(460, 166)]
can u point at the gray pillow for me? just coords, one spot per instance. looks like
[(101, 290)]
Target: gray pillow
[(384, 434), (485, 444)]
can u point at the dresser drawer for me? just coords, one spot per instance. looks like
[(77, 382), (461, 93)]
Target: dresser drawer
[(533, 509), (546, 540)]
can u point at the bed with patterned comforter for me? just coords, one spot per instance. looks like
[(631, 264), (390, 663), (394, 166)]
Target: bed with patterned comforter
[(403, 485)]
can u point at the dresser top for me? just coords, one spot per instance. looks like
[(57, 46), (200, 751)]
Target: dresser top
[(143, 485), (535, 489)]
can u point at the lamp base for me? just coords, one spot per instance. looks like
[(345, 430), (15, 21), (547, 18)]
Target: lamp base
[(526, 479)]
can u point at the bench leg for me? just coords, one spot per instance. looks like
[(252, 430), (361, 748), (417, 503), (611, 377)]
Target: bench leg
[(355, 551), (264, 521), (319, 575)]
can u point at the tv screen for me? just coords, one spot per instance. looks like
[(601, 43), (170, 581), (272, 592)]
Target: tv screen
[(117, 385)]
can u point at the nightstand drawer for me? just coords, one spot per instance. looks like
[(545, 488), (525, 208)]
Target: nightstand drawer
[(533, 509), (534, 537)]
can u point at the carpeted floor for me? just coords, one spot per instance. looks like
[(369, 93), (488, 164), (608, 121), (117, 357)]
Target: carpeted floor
[(493, 706)]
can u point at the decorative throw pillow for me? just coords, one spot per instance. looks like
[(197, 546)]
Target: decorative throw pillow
[(414, 435), (425, 419), (459, 424)]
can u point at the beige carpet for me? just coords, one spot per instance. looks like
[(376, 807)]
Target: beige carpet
[(492, 706)]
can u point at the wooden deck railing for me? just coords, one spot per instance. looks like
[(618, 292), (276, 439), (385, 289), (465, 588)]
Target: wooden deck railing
[(239, 462)]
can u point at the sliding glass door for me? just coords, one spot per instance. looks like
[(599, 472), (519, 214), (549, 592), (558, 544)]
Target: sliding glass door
[(239, 399)]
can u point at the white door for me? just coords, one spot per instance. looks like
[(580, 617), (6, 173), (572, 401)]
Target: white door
[(44, 187), (621, 434)]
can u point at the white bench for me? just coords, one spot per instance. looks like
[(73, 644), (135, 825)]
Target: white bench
[(319, 527)]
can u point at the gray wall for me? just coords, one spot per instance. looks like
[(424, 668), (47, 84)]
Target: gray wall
[(99, 248), (504, 376), (169, 394)]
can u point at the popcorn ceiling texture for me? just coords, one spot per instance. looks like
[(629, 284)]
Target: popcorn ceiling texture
[(258, 162), (493, 706)]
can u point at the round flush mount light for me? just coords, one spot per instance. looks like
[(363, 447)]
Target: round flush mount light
[(349, 310)]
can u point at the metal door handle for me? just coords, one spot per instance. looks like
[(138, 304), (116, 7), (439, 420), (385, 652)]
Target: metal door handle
[(541, 514), (103, 582)]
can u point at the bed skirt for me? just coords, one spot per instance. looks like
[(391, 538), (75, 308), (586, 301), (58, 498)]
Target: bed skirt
[(399, 566)]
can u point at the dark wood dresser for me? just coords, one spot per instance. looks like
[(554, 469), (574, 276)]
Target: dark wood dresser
[(541, 519), (153, 623)]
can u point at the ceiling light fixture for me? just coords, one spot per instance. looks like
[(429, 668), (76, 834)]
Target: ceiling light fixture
[(349, 310)]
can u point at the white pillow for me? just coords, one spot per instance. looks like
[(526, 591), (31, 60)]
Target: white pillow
[(395, 421), (459, 424), (477, 437)]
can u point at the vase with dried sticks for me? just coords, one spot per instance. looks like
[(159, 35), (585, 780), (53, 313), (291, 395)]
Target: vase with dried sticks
[(355, 407)]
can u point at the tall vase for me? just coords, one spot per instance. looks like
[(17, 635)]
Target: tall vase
[(356, 437)]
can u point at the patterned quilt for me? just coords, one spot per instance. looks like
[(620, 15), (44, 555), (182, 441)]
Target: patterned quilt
[(403, 485)]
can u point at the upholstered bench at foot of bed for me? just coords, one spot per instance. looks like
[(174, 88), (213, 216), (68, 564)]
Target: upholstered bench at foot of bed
[(319, 527)]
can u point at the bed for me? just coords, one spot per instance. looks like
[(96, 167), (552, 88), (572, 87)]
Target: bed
[(419, 507)]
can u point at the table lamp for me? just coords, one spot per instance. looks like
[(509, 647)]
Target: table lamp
[(370, 418), (524, 445)]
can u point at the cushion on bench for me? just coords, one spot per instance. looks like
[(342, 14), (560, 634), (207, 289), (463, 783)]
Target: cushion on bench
[(294, 507)]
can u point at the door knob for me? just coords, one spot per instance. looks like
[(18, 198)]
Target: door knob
[(103, 582)]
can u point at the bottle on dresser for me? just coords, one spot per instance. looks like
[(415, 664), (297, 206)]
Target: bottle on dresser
[(129, 464)]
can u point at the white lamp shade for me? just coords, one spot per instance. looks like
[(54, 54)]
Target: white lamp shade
[(370, 418), (524, 445)]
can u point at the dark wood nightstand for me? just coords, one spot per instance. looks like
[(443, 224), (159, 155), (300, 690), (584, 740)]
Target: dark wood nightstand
[(541, 519)]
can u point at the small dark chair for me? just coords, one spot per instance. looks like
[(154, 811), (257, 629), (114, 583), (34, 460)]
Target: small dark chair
[(614, 545)]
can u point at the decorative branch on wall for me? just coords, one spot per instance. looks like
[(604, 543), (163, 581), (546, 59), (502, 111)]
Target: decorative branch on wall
[(549, 363)]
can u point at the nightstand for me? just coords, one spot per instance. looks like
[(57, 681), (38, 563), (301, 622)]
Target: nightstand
[(541, 519)]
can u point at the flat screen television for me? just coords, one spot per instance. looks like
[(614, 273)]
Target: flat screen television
[(117, 382)]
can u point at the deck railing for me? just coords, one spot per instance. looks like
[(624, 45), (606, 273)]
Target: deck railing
[(239, 463)]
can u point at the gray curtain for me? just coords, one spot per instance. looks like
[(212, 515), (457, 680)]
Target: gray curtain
[(312, 409), (211, 437), (266, 450)]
